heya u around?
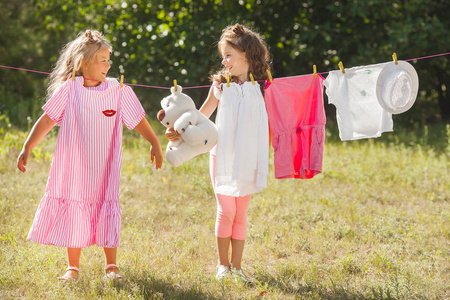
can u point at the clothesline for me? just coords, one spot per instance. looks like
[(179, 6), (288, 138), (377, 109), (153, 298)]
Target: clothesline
[(198, 86)]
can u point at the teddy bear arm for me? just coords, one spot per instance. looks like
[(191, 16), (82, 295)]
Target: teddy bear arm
[(186, 119), (201, 134)]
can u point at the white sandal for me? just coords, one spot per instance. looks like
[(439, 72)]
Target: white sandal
[(112, 275), (67, 276)]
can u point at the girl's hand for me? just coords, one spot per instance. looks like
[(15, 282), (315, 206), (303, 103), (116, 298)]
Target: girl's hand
[(156, 154), (23, 159), (172, 135), (147, 132)]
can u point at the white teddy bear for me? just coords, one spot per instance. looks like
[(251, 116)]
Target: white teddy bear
[(198, 133)]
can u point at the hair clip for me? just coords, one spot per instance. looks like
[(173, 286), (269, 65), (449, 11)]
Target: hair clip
[(121, 80), (270, 76), (394, 57), (315, 71), (175, 84), (228, 80), (251, 78), (341, 66), (73, 75)]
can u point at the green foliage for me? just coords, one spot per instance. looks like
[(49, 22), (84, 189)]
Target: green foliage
[(21, 45), (161, 40)]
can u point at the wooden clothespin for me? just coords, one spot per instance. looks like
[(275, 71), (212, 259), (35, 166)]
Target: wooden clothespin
[(270, 76), (228, 80), (394, 57), (175, 84), (121, 80), (315, 71), (73, 75), (341, 66), (251, 78)]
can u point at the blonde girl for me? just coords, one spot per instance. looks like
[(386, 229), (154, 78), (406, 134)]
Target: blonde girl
[(81, 206)]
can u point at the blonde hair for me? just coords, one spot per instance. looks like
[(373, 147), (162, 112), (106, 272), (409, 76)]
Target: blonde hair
[(252, 44), (73, 55)]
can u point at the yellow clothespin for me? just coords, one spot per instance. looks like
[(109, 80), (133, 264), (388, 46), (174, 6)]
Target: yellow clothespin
[(228, 80), (251, 78), (394, 57), (270, 76), (73, 75), (315, 71), (341, 66), (121, 80), (175, 84)]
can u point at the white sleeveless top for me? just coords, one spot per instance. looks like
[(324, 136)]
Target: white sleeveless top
[(242, 151)]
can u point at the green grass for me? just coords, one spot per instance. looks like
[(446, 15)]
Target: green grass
[(374, 225)]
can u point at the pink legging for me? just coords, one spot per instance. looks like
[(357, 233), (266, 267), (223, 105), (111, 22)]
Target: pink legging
[(231, 217)]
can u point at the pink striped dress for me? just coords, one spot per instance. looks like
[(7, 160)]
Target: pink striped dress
[(81, 206)]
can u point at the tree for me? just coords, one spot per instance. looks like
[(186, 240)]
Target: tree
[(158, 41), (21, 46)]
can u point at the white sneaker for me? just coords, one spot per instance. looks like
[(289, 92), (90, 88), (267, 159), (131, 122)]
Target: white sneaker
[(239, 276), (222, 271)]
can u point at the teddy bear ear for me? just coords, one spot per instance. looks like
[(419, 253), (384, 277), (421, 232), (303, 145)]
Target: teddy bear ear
[(179, 89)]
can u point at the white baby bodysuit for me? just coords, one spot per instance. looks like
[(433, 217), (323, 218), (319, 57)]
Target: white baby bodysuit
[(359, 114)]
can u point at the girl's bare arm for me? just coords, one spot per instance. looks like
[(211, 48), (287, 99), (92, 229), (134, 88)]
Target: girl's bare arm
[(37, 133)]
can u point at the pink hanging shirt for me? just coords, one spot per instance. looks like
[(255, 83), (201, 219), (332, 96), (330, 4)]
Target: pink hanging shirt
[(297, 121), (81, 206)]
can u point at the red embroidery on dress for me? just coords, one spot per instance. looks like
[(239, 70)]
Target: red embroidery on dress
[(109, 112)]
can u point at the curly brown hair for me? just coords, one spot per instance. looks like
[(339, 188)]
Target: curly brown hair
[(252, 44)]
